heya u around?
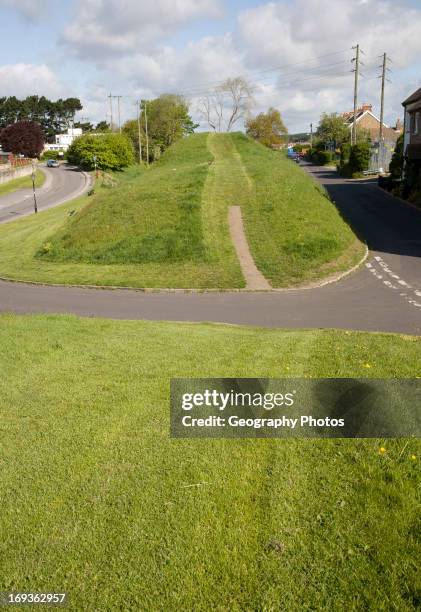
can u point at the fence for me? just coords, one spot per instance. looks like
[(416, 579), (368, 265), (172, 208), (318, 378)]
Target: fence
[(381, 156), (9, 171)]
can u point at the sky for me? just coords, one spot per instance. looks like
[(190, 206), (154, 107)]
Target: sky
[(296, 53)]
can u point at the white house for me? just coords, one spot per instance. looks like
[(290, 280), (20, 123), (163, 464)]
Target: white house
[(63, 141)]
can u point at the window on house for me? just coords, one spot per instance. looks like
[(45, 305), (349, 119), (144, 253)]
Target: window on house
[(416, 123)]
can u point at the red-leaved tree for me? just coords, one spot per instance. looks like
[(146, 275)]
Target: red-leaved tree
[(23, 137)]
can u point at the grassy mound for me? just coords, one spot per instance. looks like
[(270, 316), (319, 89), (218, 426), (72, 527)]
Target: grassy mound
[(167, 226), (153, 216), (294, 231), (125, 518)]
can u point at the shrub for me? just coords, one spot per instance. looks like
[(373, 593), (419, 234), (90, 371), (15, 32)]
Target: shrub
[(359, 157), (396, 164), (345, 152), (324, 157), (112, 151), (298, 148), (320, 157), (23, 138), (51, 155)]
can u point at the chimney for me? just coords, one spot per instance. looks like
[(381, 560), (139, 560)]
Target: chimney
[(366, 107)]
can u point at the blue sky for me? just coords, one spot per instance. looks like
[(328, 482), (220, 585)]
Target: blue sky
[(141, 49)]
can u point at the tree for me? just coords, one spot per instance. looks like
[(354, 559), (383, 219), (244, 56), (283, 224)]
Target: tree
[(108, 151), (86, 126), (23, 137), (227, 104), (396, 163), (168, 121), (267, 128), (102, 126), (332, 130), (359, 157), (53, 117)]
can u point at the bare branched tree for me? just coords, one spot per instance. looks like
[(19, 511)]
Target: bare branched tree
[(232, 99), (240, 96)]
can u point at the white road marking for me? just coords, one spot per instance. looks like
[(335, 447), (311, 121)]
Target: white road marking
[(400, 281)]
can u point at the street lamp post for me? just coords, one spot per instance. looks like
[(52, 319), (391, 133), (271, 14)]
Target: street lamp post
[(33, 187), (95, 165)]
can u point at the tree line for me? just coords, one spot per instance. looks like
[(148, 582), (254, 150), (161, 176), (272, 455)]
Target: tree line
[(54, 117)]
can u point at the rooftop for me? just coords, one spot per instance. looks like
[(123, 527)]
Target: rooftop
[(413, 97)]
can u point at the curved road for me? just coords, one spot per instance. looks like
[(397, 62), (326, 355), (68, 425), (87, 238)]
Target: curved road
[(61, 184), (383, 295)]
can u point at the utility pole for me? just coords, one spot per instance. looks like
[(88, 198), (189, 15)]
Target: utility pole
[(118, 106), (383, 77), (118, 111), (111, 112), (139, 110), (356, 74), (146, 132), (311, 135), (384, 69), (33, 187)]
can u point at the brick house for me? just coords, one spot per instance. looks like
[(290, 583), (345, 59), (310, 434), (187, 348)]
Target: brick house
[(368, 121), (412, 137)]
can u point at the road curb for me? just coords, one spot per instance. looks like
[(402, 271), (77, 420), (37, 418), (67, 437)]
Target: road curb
[(413, 206), (315, 285)]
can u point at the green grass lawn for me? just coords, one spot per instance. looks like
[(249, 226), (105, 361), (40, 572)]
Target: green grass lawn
[(167, 226), (24, 182), (99, 502)]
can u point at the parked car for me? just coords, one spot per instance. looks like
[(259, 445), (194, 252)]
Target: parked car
[(294, 157), (52, 163)]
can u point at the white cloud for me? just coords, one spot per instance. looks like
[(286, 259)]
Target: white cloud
[(283, 33), (129, 43), (23, 80), (31, 9), (189, 70), (106, 27)]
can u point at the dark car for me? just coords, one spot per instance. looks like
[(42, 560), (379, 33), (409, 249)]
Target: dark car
[(52, 163)]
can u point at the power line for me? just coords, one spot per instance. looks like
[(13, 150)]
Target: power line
[(214, 84), (318, 76), (196, 91)]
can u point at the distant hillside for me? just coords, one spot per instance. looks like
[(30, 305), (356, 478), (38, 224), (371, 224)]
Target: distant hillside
[(301, 137)]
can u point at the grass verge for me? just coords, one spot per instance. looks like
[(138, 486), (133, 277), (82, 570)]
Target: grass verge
[(24, 182), (99, 502)]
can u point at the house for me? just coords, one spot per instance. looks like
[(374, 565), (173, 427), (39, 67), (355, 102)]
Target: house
[(412, 123), (366, 120), (63, 141)]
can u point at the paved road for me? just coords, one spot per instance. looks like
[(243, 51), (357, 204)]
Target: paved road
[(61, 184), (384, 295)]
